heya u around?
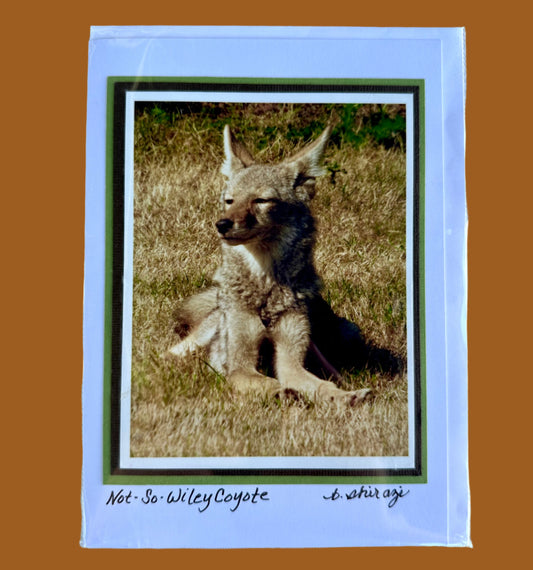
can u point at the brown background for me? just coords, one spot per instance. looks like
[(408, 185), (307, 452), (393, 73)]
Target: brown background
[(44, 67)]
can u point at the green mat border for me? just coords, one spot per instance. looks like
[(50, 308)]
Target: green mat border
[(118, 476)]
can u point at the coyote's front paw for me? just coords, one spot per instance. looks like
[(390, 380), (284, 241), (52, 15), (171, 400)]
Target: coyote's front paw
[(359, 396), (284, 394), (341, 397)]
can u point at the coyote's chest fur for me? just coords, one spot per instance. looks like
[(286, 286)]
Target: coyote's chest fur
[(267, 281)]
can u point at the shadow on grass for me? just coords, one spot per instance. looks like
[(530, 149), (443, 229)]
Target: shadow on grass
[(344, 347)]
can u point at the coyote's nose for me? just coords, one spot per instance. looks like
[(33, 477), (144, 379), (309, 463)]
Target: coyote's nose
[(224, 225)]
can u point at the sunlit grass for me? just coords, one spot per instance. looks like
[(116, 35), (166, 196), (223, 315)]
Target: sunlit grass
[(186, 409)]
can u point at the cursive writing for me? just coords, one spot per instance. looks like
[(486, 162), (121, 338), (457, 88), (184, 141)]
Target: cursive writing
[(368, 492), (188, 496)]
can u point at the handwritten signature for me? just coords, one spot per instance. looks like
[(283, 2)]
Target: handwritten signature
[(369, 492)]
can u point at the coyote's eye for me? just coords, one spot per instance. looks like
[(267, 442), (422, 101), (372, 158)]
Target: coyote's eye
[(229, 201), (262, 200)]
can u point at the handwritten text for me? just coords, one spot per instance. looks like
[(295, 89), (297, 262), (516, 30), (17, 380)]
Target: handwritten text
[(369, 492), (188, 496)]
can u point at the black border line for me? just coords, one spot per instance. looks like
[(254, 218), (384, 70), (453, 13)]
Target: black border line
[(120, 89)]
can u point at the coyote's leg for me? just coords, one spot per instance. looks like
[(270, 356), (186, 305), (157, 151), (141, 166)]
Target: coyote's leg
[(201, 336), (245, 332), (184, 347), (291, 340)]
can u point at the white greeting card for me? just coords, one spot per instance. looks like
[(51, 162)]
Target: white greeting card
[(275, 288)]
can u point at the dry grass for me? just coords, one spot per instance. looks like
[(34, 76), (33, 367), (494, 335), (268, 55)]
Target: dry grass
[(186, 409)]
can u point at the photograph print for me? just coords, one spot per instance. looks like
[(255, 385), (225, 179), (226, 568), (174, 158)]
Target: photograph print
[(266, 315)]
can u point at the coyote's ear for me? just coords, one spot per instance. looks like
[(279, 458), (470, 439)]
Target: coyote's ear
[(307, 165), (237, 156)]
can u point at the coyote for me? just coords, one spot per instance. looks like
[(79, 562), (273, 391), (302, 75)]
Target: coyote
[(266, 290)]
